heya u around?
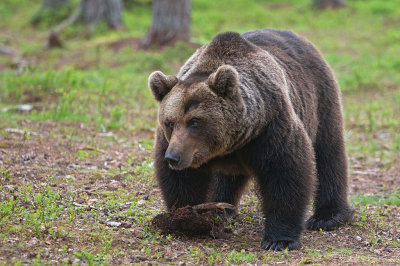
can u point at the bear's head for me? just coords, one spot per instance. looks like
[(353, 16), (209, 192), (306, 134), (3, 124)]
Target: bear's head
[(199, 115)]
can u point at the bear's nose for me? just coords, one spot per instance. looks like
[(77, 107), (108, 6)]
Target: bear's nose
[(172, 158)]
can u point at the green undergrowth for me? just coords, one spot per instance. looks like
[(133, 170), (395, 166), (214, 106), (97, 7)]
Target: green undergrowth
[(385, 199), (88, 82), (92, 84)]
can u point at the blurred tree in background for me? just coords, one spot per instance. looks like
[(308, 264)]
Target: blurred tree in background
[(171, 22), (322, 4), (96, 10), (171, 19), (91, 12), (51, 10)]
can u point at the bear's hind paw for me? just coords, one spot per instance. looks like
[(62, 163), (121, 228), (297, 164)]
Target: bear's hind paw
[(279, 245), (317, 222)]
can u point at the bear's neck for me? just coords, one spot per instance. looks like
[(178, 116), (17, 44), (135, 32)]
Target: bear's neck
[(263, 100)]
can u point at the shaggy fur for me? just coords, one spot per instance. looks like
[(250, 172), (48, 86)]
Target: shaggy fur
[(263, 104)]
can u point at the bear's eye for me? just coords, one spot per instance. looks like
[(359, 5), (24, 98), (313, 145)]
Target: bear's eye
[(194, 124), (169, 125)]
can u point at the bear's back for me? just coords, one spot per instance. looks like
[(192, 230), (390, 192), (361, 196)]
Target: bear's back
[(306, 69), (283, 44)]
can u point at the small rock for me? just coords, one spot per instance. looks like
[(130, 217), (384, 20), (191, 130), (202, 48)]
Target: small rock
[(377, 251), (9, 187), (358, 238), (84, 167), (113, 224), (109, 158), (138, 258), (12, 240), (25, 108), (70, 177)]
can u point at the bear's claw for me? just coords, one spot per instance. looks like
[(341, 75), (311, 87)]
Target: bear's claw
[(317, 222), (279, 245)]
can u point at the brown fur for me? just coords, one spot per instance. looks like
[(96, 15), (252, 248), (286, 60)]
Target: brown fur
[(262, 104)]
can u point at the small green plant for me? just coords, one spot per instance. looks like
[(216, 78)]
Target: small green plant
[(131, 160), (89, 258), (115, 117), (64, 106), (240, 257), (389, 199)]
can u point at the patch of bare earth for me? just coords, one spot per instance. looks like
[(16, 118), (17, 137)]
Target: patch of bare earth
[(92, 164), (370, 179)]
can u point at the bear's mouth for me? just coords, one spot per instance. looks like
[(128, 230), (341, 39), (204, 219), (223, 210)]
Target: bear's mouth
[(178, 167), (181, 165), (194, 162)]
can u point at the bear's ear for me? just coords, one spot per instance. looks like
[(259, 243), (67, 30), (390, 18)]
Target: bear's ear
[(160, 84), (224, 81)]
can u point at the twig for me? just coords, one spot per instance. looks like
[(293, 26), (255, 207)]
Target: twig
[(214, 205), (84, 206)]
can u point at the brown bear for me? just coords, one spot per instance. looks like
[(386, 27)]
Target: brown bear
[(264, 104)]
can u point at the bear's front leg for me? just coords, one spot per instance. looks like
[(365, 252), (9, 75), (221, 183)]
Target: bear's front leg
[(285, 170), (179, 188)]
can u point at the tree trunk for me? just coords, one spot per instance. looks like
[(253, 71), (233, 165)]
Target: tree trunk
[(322, 4), (91, 11), (171, 22), (95, 10)]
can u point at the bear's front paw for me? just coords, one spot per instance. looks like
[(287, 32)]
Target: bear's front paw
[(330, 222), (279, 245)]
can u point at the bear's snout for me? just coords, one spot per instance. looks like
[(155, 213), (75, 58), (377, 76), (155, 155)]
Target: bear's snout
[(172, 158)]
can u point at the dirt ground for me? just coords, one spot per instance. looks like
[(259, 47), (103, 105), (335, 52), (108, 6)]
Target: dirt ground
[(52, 149)]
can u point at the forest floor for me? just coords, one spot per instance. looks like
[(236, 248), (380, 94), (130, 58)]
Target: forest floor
[(72, 194), (76, 171)]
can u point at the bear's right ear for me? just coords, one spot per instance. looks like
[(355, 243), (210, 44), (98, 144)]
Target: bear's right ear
[(160, 84)]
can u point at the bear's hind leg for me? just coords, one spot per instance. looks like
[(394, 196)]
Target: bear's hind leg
[(331, 208), (229, 188)]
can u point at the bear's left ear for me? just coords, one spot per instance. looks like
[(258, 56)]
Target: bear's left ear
[(224, 81), (160, 84)]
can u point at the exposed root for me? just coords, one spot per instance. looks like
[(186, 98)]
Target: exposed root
[(203, 219)]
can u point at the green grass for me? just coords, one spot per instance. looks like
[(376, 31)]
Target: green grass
[(386, 199), (86, 83), (108, 89)]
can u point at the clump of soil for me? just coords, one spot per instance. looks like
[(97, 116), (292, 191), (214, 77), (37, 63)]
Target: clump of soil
[(203, 219)]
